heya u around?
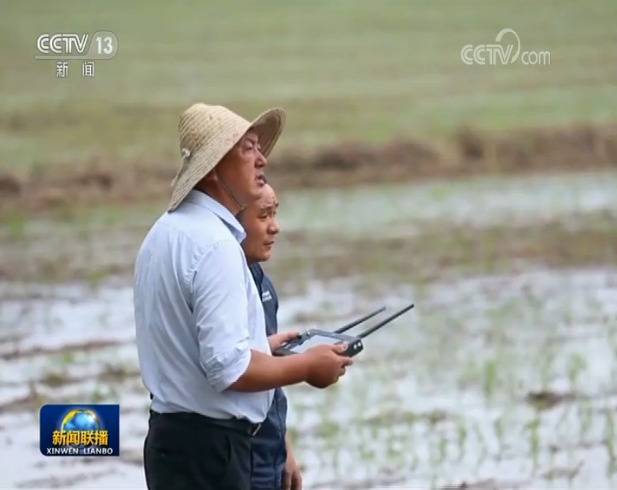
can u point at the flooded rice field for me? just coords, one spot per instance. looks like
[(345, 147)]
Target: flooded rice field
[(503, 376)]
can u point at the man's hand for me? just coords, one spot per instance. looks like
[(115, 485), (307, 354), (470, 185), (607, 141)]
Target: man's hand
[(278, 339), (319, 366), (326, 364), (292, 477)]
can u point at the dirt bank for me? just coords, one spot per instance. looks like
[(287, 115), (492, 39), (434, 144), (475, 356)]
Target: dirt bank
[(470, 151)]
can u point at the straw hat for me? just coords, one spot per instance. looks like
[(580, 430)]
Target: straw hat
[(207, 133)]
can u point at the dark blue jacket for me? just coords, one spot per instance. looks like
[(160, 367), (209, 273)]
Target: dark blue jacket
[(269, 453)]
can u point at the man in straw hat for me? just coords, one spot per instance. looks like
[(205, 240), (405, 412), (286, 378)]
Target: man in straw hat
[(203, 350)]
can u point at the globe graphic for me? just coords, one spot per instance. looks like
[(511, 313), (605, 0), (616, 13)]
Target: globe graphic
[(81, 419)]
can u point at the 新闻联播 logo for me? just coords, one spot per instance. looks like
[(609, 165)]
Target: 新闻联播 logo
[(79, 430)]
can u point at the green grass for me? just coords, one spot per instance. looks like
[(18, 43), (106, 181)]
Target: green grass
[(478, 225), (59, 251), (343, 70)]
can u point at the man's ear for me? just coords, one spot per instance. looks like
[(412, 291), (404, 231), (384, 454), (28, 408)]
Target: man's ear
[(211, 176)]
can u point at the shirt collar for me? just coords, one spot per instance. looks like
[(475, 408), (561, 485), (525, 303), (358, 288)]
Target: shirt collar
[(203, 200)]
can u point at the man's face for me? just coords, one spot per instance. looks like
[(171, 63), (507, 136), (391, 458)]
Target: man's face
[(243, 167), (261, 226)]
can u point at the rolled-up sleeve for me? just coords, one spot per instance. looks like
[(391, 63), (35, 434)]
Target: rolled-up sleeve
[(220, 311)]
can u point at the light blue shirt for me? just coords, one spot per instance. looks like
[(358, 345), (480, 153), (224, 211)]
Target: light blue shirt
[(198, 313)]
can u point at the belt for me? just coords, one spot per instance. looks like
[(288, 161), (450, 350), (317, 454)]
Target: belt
[(241, 425)]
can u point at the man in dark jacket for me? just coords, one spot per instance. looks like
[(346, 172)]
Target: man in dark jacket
[(274, 465)]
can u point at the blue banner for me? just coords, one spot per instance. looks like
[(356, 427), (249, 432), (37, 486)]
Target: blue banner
[(80, 430)]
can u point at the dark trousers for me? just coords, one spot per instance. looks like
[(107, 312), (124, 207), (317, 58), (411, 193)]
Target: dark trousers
[(184, 451)]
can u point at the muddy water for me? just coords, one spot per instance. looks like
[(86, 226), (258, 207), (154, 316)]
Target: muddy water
[(498, 380), (402, 209)]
